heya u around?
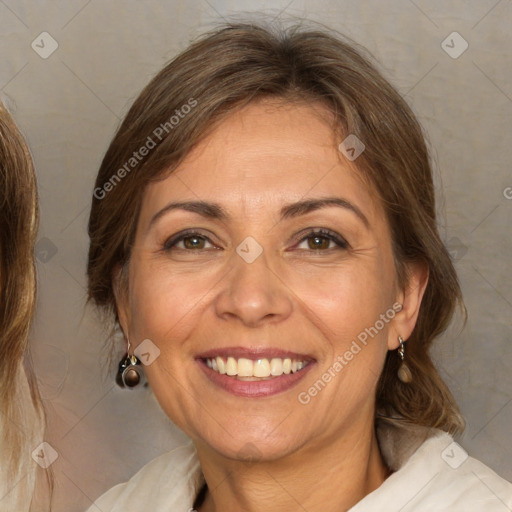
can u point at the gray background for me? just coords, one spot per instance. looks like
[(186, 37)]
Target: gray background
[(70, 103)]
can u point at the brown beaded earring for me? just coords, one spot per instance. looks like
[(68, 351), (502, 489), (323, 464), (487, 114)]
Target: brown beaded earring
[(130, 372)]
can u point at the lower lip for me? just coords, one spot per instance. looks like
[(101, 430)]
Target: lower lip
[(255, 388)]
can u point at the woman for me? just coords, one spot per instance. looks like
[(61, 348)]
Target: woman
[(263, 230), (21, 424)]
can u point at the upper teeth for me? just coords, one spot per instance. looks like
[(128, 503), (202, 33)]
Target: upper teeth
[(244, 367)]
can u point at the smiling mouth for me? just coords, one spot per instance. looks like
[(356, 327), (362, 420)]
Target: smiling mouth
[(258, 369)]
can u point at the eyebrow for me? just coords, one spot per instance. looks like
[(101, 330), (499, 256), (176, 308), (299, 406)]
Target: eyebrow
[(309, 205), (292, 210), (203, 208)]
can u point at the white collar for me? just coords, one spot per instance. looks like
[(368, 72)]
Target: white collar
[(425, 478)]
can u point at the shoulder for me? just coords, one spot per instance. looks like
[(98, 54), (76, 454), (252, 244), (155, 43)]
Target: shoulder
[(439, 476), (461, 482), (168, 482), (458, 481)]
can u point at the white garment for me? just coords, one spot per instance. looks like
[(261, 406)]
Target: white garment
[(16, 490), (432, 474)]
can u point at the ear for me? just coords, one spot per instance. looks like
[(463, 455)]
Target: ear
[(410, 298), (120, 288)]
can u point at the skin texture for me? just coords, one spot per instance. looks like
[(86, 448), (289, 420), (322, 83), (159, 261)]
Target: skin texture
[(304, 295)]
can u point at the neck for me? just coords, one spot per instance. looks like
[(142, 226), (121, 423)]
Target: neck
[(333, 475)]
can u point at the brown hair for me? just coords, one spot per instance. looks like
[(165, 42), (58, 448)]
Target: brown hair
[(243, 62), (18, 229)]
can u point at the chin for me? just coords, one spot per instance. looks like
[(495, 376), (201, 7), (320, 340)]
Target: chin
[(250, 446)]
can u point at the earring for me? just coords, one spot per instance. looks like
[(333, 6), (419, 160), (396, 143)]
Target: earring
[(129, 373), (404, 373)]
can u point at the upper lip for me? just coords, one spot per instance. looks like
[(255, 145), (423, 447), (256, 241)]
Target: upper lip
[(253, 353)]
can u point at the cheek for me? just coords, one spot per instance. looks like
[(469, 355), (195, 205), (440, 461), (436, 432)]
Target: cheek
[(347, 305), (165, 307), (169, 306), (346, 300), (150, 302)]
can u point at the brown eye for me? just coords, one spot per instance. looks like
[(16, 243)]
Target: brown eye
[(194, 242), (188, 242), (322, 240), (318, 242)]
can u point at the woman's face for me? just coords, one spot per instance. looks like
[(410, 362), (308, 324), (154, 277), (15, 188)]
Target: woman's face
[(265, 252)]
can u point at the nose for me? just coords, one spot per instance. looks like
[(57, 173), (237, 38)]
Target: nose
[(253, 293)]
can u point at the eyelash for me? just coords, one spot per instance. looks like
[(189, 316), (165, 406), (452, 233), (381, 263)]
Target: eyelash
[(313, 233), (324, 233), (179, 237)]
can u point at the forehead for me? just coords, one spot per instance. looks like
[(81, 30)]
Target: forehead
[(268, 152)]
